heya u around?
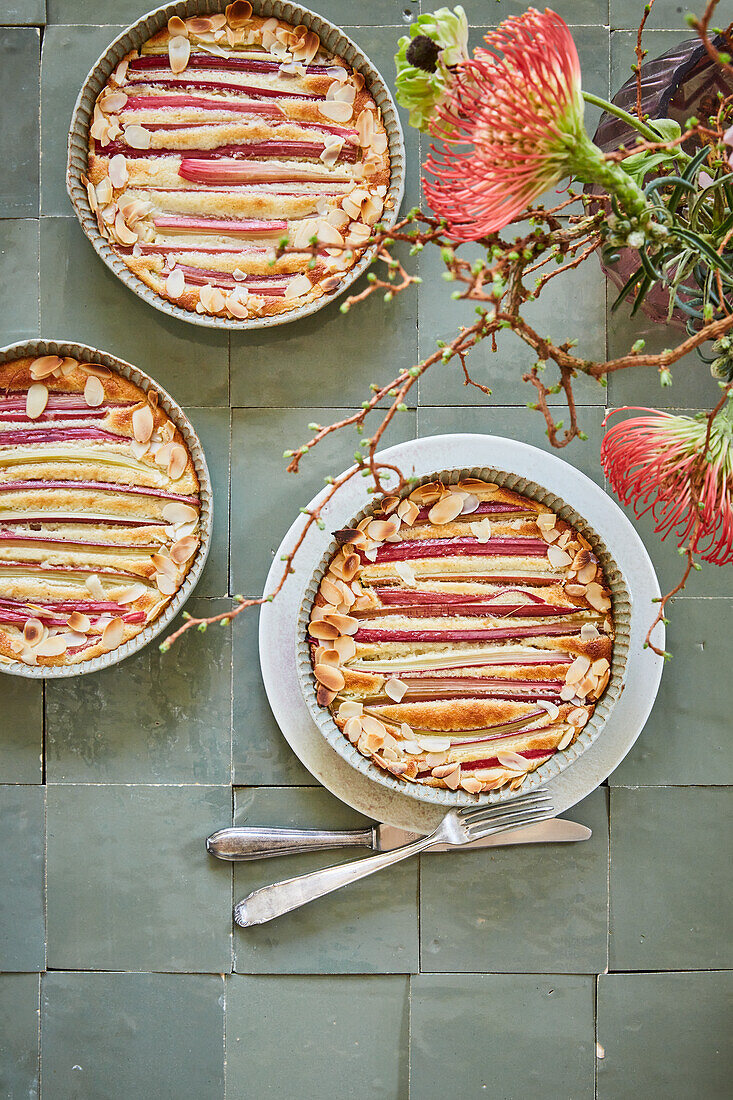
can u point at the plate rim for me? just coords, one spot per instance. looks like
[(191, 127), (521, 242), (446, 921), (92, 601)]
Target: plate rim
[(421, 456)]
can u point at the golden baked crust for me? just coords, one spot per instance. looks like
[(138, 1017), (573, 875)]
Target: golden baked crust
[(99, 511), (223, 135), (462, 635)]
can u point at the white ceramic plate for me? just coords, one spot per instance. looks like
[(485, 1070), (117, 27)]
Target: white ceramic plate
[(418, 458)]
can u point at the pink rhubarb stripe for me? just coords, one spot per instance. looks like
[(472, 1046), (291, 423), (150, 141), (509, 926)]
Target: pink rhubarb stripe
[(487, 634), (222, 64), (141, 490), (461, 547), (221, 226), (163, 80), (199, 276), (7, 535), (251, 107), (485, 508), (459, 609), (251, 151), (244, 171), (58, 435), (493, 761)]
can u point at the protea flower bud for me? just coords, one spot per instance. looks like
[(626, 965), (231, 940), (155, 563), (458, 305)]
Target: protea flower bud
[(425, 59)]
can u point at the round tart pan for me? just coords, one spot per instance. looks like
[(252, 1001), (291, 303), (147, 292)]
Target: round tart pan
[(85, 354), (557, 763), (133, 38)]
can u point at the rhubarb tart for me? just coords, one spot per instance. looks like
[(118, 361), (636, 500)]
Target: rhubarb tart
[(462, 635), (99, 511), (236, 166)]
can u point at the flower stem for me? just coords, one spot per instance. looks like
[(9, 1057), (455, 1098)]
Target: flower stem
[(612, 109)]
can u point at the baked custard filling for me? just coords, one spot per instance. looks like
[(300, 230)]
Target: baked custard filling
[(99, 510), (462, 635), (220, 137)]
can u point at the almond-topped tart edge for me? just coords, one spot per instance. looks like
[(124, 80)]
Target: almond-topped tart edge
[(462, 635), (100, 511), (220, 136)]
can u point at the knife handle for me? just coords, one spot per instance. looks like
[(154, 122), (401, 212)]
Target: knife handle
[(255, 842)]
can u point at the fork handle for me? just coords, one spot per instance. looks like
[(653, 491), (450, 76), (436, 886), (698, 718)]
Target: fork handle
[(272, 901), (260, 842)]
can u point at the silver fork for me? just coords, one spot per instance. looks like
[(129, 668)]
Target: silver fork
[(457, 827)]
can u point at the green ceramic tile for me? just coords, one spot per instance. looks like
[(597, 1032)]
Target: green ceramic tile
[(518, 1037), (266, 499), (22, 12), (535, 908), (339, 11), (212, 426), (19, 75), (130, 885), (522, 424), (667, 872), (665, 1034), (21, 872), (574, 12), (260, 753), (19, 1035), (665, 14), (81, 299), (692, 384), (132, 1035), (154, 718), (18, 280), (342, 934), (571, 306), (656, 42), (688, 727), (68, 55), (21, 733), (317, 1037)]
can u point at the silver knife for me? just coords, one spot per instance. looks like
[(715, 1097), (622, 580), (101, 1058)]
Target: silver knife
[(253, 842)]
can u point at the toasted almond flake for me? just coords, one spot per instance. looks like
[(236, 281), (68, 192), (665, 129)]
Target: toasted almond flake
[(336, 110), (446, 509), (453, 779), (137, 137), (551, 534), (372, 725), (33, 631), (352, 729), (112, 102), (567, 692), (93, 392), (53, 646), (358, 234), (94, 585), (184, 549), (175, 513), (44, 366), (471, 784), (130, 594), (297, 287), (166, 585), (329, 676), (512, 760), (395, 688), (175, 284), (578, 669), (112, 634), (600, 666), (176, 26), (143, 424), (124, 234), (36, 400), (434, 744), (350, 709), (345, 647), (602, 683), (177, 461), (408, 512), (118, 174), (442, 770), (330, 592), (139, 449), (596, 597), (379, 530), (164, 564), (578, 716), (365, 128), (576, 590), (79, 622), (566, 738), (587, 572), (557, 558), (481, 530), (551, 709), (379, 142), (470, 504), (406, 573), (344, 624), (319, 629), (588, 632), (179, 52), (328, 657)]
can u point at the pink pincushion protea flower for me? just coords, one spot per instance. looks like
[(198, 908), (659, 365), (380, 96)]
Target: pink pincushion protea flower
[(656, 462), (512, 126)]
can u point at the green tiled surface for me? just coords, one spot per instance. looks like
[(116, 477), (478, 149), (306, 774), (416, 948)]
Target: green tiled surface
[(130, 886), (666, 1033), (669, 876), (129, 1035), (472, 975), (370, 928), (340, 1037), (19, 67), (22, 928), (19, 1035), (501, 1035)]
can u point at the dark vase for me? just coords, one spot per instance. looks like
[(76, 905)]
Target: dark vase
[(683, 82)]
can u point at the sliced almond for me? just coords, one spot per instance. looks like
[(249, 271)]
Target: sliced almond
[(396, 689), (408, 512), (36, 400), (446, 509), (239, 13), (345, 646), (329, 676), (596, 597), (112, 635), (587, 572), (297, 287), (434, 744), (45, 366), (365, 128), (175, 284), (164, 564), (330, 592), (177, 461), (142, 424), (575, 590), (567, 692), (471, 784), (552, 710), (344, 624), (317, 628), (137, 137), (112, 102), (350, 709), (118, 174), (379, 530), (600, 666), (557, 558), (512, 760), (53, 646), (546, 521), (179, 52), (578, 669), (566, 738), (93, 391), (578, 716), (33, 631), (79, 622), (588, 632), (184, 549), (94, 585), (352, 728), (406, 573), (453, 779), (336, 110), (130, 594)]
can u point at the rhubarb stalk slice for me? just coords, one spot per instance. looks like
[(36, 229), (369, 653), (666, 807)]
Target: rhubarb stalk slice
[(461, 547), (479, 635), (237, 171)]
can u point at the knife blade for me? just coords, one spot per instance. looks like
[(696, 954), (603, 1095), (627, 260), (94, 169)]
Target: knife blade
[(252, 842)]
